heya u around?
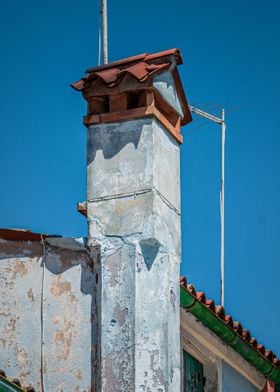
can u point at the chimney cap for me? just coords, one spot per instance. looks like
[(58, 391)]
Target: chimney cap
[(143, 67)]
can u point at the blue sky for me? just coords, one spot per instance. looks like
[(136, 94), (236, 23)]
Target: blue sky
[(231, 60)]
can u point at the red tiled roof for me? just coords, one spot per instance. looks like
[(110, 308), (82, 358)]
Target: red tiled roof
[(141, 67), (236, 326), (156, 57)]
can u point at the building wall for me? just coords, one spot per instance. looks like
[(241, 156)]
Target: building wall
[(46, 329), (232, 381), (133, 210)]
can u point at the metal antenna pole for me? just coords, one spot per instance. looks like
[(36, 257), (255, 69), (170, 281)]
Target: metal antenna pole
[(104, 31), (222, 206), (220, 121)]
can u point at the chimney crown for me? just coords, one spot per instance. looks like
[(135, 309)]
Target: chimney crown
[(136, 87)]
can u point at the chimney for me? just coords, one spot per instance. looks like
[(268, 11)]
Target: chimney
[(135, 109)]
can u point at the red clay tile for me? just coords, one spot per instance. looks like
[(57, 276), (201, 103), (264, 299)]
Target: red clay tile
[(246, 335), (201, 296), (210, 303), (142, 68), (191, 289)]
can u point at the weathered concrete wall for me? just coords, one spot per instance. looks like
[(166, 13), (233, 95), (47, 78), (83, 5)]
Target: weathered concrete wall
[(47, 330), (134, 216), (165, 85), (233, 381)]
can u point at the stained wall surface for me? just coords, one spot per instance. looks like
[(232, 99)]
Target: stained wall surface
[(133, 210), (46, 327)]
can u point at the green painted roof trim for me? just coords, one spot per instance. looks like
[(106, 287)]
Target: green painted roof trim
[(230, 337), (7, 386)]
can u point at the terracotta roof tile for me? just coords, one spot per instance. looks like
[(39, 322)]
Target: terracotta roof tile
[(113, 76), (158, 56), (276, 362), (140, 71), (237, 326), (142, 68), (201, 296), (219, 311), (254, 342), (191, 289), (246, 335), (228, 319), (210, 303)]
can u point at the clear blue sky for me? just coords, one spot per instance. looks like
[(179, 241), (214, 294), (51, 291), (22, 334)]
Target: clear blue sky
[(231, 59)]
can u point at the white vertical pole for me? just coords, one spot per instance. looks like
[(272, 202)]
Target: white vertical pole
[(222, 191), (222, 209), (104, 31)]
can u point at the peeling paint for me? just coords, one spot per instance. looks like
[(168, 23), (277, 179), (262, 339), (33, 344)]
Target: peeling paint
[(133, 208), (46, 318), (22, 360), (19, 268), (30, 295), (59, 286)]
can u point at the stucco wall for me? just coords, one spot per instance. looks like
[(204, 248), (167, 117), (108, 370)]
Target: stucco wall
[(46, 329), (133, 209)]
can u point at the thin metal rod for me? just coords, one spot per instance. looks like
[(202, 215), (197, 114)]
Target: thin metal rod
[(99, 38), (206, 115), (104, 31), (222, 208), (220, 121)]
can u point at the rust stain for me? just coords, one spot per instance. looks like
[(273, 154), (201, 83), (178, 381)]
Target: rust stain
[(22, 360), (73, 299), (2, 342), (59, 286), (19, 268), (30, 295), (56, 320), (79, 374), (63, 339), (9, 332)]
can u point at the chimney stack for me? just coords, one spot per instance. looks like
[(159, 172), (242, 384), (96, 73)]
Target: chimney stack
[(135, 109)]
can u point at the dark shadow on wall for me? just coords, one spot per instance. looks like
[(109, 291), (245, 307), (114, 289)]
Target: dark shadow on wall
[(112, 140)]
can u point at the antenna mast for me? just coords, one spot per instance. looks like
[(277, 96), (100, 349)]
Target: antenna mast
[(104, 28), (222, 207), (220, 121)]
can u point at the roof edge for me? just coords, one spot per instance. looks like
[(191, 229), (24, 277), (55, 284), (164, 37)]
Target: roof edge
[(211, 320), (10, 234), (139, 57)]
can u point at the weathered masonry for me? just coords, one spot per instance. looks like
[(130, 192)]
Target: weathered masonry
[(135, 108), (107, 313), (47, 310)]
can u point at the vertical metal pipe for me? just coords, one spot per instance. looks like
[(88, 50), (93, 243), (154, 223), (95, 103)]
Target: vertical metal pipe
[(104, 31), (222, 208)]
